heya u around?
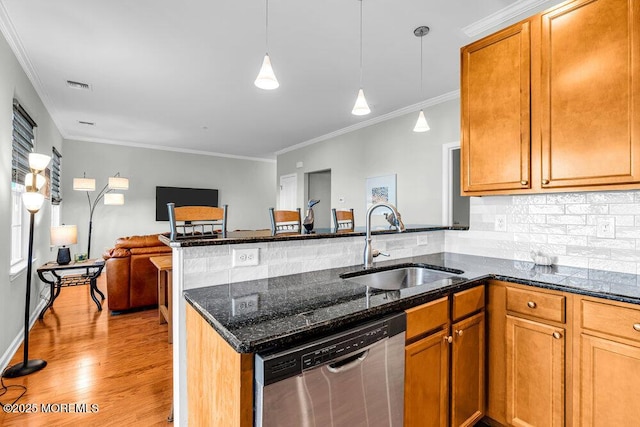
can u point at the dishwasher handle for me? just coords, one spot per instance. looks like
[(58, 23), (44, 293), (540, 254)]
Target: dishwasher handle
[(347, 363)]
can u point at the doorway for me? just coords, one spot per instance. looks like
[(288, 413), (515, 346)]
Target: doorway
[(319, 187), (455, 208), (288, 190)]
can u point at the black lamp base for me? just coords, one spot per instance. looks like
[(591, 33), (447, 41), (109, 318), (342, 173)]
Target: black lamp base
[(20, 369), (64, 256)]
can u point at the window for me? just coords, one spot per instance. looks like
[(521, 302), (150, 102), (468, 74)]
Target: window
[(23, 137), (56, 191)]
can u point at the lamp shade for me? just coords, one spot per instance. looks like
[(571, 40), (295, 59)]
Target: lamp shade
[(32, 201), (84, 184), (28, 181), (266, 77), (421, 124), (361, 108), (118, 183), (114, 199), (64, 235), (38, 162)]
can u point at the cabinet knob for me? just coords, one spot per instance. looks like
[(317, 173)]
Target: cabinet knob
[(524, 182), (448, 339), (459, 332), (532, 304), (557, 335), (545, 181), (636, 326)]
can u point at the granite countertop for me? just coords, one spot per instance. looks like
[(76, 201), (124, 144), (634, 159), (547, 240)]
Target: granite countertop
[(295, 308), (257, 236)]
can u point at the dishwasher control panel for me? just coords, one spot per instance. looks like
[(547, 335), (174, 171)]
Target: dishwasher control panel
[(274, 367)]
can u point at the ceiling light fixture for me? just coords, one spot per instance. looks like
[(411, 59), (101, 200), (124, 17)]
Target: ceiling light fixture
[(266, 77), (421, 124), (360, 108)]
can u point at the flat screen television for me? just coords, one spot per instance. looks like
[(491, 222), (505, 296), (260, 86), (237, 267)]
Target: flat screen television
[(183, 197)]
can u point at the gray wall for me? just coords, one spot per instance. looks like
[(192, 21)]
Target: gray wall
[(389, 147), (15, 84), (245, 185)]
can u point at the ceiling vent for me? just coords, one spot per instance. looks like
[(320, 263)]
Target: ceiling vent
[(78, 85), (86, 123)]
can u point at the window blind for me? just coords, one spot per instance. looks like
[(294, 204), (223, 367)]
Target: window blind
[(23, 134), (56, 193)]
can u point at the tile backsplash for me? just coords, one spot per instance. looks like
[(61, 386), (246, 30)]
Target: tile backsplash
[(598, 230), (212, 265)]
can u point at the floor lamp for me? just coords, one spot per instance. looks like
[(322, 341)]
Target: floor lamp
[(89, 184), (32, 200)]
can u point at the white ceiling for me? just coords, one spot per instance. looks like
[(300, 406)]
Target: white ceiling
[(179, 74)]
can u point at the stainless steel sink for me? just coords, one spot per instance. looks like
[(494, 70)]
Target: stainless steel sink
[(400, 278)]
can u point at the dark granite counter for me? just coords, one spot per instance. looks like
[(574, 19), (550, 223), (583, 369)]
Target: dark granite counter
[(295, 308), (258, 236)]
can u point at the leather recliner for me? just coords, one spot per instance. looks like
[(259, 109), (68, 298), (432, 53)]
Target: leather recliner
[(132, 280)]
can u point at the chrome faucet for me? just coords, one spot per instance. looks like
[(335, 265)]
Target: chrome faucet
[(370, 253)]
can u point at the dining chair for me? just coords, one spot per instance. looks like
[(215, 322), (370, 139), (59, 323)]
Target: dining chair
[(285, 221), (197, 221), (342, 220)]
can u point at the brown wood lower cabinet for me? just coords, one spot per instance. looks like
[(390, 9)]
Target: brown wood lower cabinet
[(444, 363), (535, 373)]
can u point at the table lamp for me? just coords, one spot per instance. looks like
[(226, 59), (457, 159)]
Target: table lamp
[(62, 236)]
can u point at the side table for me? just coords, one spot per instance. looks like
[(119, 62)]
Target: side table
[(88, 271), (164, 266)]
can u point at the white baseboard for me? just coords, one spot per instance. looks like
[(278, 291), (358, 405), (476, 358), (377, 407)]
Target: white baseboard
[(15, 344)]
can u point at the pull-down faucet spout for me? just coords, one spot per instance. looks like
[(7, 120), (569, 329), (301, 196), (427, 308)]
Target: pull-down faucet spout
[(370, 253)]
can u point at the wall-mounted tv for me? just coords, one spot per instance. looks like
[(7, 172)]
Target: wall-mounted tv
[(183, 197)]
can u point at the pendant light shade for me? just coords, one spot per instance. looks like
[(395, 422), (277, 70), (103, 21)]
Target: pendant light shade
[(361, 108), (421, 124), (266, 77)]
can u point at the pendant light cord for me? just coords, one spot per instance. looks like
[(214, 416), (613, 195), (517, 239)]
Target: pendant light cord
[(361, 1), (421, 73), (266, 26)]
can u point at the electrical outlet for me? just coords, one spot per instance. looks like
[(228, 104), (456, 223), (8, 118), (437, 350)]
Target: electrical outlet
[(245, 304), (423, 239), (500, 222), (606, 228), (245, 257)]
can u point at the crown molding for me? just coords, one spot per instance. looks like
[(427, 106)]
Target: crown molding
[(455, 94), (11, 36), (164, 148), (501, 16)]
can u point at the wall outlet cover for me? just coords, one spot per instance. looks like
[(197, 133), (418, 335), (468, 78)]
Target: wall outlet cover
[(500, 222), (423, 239), (245, 257), (606, 228)]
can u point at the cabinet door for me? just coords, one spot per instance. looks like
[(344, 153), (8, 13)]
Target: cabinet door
[(467, 371), (495, 111), (535, 373), (609, 383), (426, 395), (590, 93)]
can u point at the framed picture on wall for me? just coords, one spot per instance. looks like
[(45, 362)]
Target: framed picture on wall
[(381, 189)]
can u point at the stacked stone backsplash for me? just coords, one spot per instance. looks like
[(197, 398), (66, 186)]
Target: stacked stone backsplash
[(563, 225), (212, 265)]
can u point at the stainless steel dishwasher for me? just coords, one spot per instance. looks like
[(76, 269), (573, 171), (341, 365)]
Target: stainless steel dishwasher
[(350, 379)]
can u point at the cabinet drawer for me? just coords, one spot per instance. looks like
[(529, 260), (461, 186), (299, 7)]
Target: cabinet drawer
[(427, 317), (467, 302), (610, 319), (537, 304)]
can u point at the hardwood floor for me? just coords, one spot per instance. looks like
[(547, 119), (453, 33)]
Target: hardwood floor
[(120, 363)]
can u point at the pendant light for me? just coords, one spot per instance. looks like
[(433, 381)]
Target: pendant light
[(421, 124), (360, 108), (266, 77)]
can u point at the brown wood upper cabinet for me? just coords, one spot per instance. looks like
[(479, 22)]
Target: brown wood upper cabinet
[(579, 65)]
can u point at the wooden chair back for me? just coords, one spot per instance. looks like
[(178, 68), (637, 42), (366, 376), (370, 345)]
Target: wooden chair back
[(285, 221), (197, 221), (343, 220)]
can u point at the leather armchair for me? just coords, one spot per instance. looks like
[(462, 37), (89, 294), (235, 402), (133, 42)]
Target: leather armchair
[(132, 280)]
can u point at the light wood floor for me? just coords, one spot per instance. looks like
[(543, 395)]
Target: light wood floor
[(120, 363)]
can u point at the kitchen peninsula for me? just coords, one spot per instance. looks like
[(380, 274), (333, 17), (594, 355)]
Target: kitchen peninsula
[(298, 306)]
